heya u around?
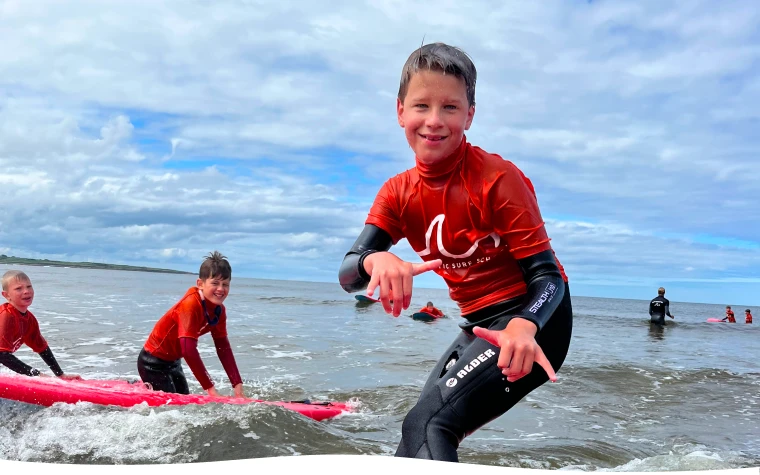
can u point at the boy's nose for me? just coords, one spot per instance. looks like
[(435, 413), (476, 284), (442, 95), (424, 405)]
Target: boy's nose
[(434, 119)]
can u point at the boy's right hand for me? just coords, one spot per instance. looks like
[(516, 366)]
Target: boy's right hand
[(394, 277), (70, 377)]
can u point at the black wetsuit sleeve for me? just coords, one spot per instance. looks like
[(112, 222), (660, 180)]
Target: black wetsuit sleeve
[(545, 287), (352, 275), (14, 364), (667, 308), (49, 359)]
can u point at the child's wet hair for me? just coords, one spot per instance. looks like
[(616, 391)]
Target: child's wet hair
[(215, 265), (14, 276), (442, 58)]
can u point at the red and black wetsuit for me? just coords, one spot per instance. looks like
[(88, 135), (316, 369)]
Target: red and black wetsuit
[(18, 329), (477, 213), (175, 336), (747, 317), (434, 312), (730, 316)]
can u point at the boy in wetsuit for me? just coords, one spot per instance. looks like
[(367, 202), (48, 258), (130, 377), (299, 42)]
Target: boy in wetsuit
[(474, 219), (176, 334), (431, 310), (19, 326), (729, 315), (659, 307), (747, 316)]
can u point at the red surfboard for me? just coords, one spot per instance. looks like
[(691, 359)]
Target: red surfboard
[(46, 391)]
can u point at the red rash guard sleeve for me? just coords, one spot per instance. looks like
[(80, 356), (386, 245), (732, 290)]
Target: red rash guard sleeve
[(516, 216), (385, 213), (193, 359), (224, 351)]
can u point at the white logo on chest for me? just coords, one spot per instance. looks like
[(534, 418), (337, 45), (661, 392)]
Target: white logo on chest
[(438, 220)]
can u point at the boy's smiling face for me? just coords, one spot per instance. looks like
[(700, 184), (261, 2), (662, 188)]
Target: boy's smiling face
[(215, 289), (20, 294), (434, 114)]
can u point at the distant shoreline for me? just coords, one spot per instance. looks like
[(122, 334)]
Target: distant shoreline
[(84, 265)]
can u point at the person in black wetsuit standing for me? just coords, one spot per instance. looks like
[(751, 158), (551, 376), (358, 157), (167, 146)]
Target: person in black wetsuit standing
[(659, 307)]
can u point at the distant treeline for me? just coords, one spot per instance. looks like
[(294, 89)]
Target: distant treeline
[(83, 265)]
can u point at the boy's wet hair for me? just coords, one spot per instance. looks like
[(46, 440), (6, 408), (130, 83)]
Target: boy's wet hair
[(444, 59), (14, 276), (215, 265), (429, 304), (661, 291)]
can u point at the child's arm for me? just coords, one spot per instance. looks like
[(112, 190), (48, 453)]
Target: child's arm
[(14, 364), (49, 359), (519, 349), (224, 351), (193, 359), (352, 275), (367, 265)]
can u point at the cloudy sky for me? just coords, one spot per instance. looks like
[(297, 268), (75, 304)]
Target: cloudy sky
[(151, 133)]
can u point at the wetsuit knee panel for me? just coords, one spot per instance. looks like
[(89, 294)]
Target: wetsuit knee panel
[(417, 420)]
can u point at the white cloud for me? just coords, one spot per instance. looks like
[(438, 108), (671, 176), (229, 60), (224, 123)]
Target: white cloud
[(639, 116)]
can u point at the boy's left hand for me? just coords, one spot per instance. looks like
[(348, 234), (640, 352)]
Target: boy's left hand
[(519, 349), (238, 389)]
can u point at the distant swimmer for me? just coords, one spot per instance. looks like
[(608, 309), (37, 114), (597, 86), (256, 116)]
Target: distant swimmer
[(659, 307), (748, 316), (729, 315), (430, 309)]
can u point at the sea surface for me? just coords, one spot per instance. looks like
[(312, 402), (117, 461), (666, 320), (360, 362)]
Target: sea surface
[(629, 397)]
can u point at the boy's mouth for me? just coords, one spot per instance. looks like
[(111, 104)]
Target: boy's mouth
[(433, 138)]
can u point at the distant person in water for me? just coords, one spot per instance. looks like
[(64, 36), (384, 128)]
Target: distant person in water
[(18, 326), (729, 315), (431, 310), (176, 334), (748, 316), (659, 307)]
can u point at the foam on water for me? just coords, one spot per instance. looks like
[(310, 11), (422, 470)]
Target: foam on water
[(685, 458), (676, 398)]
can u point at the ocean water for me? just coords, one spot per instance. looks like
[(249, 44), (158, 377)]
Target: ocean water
[(629, 397)]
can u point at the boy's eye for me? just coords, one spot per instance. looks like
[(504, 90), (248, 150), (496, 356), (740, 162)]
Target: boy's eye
[(450, 106), (421, 106)]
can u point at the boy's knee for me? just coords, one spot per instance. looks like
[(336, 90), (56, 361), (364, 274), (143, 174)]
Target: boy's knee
[(418, 419)]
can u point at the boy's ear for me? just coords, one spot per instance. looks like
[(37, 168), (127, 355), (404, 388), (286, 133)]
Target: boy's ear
[(199, 282), (400, 112), (470, 116)]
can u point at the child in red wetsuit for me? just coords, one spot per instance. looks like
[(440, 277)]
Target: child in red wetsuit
[(729, 315), (19, 326), (176, 334), (747, 316), (473, 218), (431, 310)]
